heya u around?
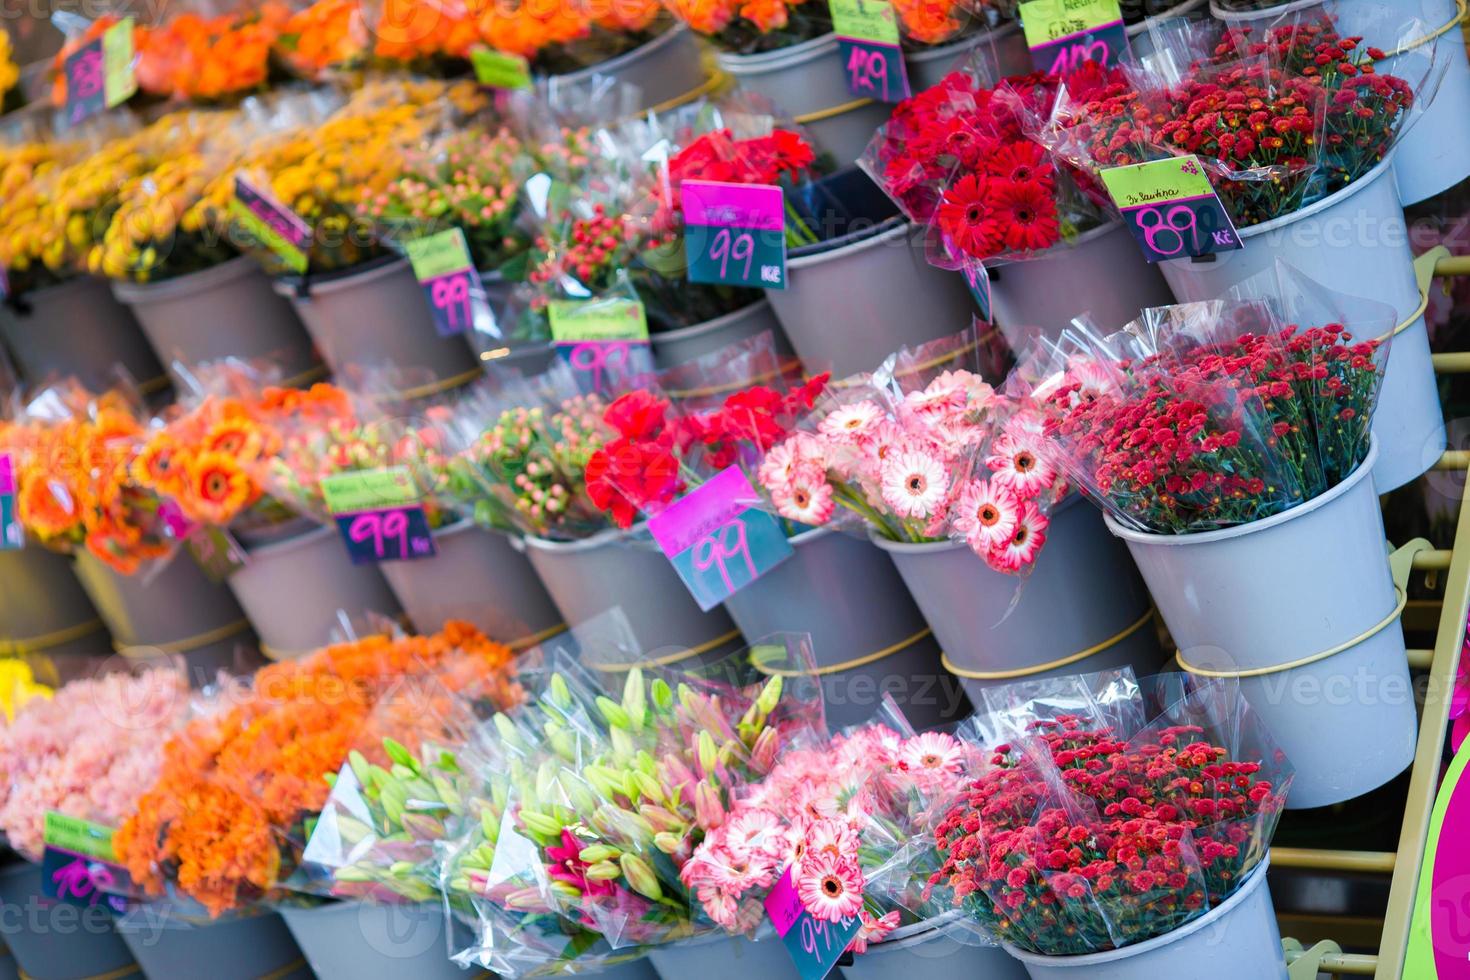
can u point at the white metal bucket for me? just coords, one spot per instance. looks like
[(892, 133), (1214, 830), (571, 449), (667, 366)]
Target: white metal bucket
[(928, 67), (1354, 242), (1289, 587), (1236, 940)]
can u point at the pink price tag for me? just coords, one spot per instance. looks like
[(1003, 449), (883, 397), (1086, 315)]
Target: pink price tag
[(173, 518), (759, 207), (783, 904), (7, 474)]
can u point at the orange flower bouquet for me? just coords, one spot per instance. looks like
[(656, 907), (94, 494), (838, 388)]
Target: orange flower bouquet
[(212, 58), (753, 26), (225, 823), (324, 36), (564, 37), (72, 454)]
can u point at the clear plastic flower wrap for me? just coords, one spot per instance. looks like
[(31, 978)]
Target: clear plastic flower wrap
[(1210, 415), (1086, 836)]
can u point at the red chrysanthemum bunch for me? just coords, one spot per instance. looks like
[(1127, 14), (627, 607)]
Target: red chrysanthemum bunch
[(1221, 435), (1078, 842)]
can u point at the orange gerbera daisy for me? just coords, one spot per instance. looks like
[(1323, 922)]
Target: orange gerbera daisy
[(238, 437), (48, 505), (162, 465), (218, 489)]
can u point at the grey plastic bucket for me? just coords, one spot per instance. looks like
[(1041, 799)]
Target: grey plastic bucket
[(1279, 590), (41, 601), (674, 347), (157, 607), (229, 310), (945, 945), (376, 316), (78, 329), (1239, 938), (55, 940), (626, 571), (245, 948), (850, 598), (724, 957), (1084, 592), (807, 80), (1373, 261), (851, 302), (371, 941), (670, 68), (928, 67), (292, 591), (477, 576), (527, 360), (1104, 274)]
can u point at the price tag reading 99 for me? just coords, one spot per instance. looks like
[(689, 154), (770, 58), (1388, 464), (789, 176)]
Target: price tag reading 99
[(378, 515), (443, 266), (1065, 34), (735, 234), (815, 945)]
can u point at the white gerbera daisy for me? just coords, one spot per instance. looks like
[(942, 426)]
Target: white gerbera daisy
[(986, 514), (851, 422), (914, 485)]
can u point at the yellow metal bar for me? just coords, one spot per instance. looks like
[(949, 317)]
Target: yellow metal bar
[(1377, 862), (1424, 780), (1454, 362), (1458, 265), (1421, 659), (1433, 561), (1349, 964)]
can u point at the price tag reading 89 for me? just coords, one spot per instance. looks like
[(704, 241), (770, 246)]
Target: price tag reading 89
[(1171, 208), (735, 234)]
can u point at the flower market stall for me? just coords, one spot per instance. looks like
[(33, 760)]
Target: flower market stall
[(688, 488)]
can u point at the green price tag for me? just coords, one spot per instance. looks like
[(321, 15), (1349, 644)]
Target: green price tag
[(274, 225), (500, 70), (438, 255), (864, 20), (117, 62), (78, 836), (607, 319), (369, 490)]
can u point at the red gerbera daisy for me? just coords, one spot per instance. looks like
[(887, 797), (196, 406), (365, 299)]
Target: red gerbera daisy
[(1026, 214), (967, 219), (1022, 162)]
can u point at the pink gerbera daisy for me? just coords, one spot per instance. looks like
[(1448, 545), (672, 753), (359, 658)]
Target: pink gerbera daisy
[(1024, 544), (873, 930), (834, 838), (986, 514), (932, 752), (807, 500), (1013, 463), (851, 422), (831, 889), (914, 484)]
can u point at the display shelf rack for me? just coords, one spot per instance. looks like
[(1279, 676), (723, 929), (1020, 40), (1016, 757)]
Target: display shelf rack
[(1452, 568)]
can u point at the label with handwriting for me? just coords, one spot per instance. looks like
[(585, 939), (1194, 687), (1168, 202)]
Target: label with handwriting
[(78, 865), (443, 266), (1171, 208), (99, 74), (1063, 34), (815, 945), (274, 225), (12, 535), (872, 60), (717, 541), (735, 234), (500, 70), (378, 515)]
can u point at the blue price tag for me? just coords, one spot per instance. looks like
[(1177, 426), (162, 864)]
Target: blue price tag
[(874, 70), (77, 879), (12, 535), (979, 282), (387, 534), (1171, 208), (815, 945), (716, 542)]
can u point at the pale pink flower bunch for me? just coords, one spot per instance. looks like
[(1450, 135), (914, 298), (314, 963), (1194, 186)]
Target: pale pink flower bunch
[(90, 751), (814, 813), (953, 459)]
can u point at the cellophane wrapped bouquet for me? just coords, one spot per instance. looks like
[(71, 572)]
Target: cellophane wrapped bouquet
[(922, 451), (1212, 415), (847, 819), (225, 824), (1109, 814), (1280, 118), (615, 791)]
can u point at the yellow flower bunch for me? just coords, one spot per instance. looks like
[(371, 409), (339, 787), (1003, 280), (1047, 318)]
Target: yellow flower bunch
[(9, 72), (18, 685), (321, 173)]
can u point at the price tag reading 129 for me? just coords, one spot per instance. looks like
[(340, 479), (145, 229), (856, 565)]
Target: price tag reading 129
[(867, 36), (378, 515), (735, 234), (815, 946), (1171, 208), (1062, 34)]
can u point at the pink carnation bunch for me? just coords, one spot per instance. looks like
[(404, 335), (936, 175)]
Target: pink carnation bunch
[(832, 814), (90, 751), (953, 459)]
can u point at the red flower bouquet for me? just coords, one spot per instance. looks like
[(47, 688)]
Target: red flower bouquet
[(1082, 839)]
